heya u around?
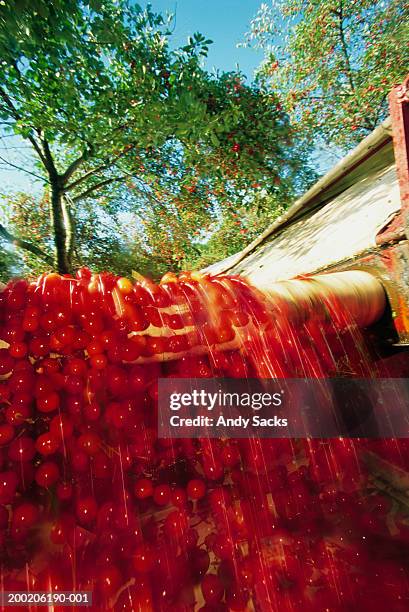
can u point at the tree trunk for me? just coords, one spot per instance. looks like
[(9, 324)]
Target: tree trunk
[(60, 230)]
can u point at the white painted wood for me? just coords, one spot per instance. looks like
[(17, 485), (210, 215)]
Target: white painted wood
[(343, 228)]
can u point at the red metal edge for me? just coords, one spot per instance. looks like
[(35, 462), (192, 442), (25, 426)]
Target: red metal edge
[(393, 232), (399, 113)]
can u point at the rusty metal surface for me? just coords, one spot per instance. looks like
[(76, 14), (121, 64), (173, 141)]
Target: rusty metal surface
[(390, 264)]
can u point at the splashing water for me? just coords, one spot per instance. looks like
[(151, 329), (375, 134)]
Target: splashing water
[(92, 500)]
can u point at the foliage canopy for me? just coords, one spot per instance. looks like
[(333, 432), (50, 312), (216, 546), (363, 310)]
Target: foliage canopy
[(132, 133), (333, 62)]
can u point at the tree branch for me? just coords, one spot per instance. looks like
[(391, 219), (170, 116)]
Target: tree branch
[(16, 115), (344, 46), (8, 163), (72, 168), (85, 176), (23, 244), (103, 166), (93, 188), (50, 165)]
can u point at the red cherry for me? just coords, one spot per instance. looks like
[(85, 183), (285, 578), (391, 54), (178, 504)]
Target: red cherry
[(179, 497), (95, 347), (76, 367), (64, 491), (109, 580), (65, 335), (50, 365), (212, 588), (47, 474), (58, 533), (21, 381), (230, 455), (89, 443), (18, 350), (142, 296), (219, 499), (143, 488), (174, 321), (99, 362), (6, 362), (237, 599), (117, 380), (109, 339), (196, 489), (83, 274), (91, 411), (6, 434), (143, 559), (102, 467), (177, 344), (154, 346), (39, 346), (48, 402), (213, 468), (16, 415), (47, 444), (223, 547), (61, 427), (74, 384), (81, 339), (43, 385), (191, 538), (130, 351), (79, 461), (154, 317), (137, 378), (48, 322), (30, 324), (8, 486), (22, 449), (161, 495), (176, 524), (200, 560), (74, 406), (86, 510), (24, 516)]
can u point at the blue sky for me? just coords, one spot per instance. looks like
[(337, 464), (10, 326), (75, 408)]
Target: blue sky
[(223, 21)]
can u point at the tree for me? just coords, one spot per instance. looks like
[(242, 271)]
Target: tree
[(239, 226), (333, 62), (109, 108)]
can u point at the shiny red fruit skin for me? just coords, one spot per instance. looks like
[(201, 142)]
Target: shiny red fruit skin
[(86, 510), (47, 444), (212, 588), (143, 559), (8, 486), (162, 494), (47, 474), (143, 488), (196, 489), (22, 449), (6, 434), (48, 402)]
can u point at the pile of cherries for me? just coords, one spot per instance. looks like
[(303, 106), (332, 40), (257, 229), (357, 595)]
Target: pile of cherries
[(92, 500)]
